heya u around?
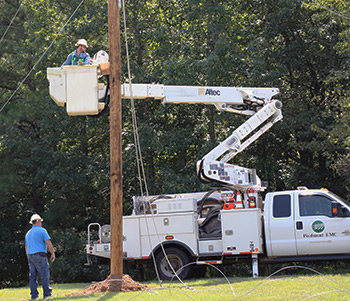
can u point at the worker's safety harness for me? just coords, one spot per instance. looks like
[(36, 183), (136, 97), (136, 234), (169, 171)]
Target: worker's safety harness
[(75, 58)]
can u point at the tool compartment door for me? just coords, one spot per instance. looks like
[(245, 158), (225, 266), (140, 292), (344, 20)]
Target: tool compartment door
[(131, 237), (241, 231), (181, 226)]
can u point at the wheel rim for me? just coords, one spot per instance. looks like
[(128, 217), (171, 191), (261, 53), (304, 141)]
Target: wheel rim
[(175, 262)]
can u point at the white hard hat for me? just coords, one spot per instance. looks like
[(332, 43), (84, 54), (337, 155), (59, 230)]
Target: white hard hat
[(81, 42), (35, 217)]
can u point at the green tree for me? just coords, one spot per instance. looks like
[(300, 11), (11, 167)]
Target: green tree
[(294, 49)]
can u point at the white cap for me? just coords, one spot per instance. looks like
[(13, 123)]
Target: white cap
[(35, 217), (81, 42)]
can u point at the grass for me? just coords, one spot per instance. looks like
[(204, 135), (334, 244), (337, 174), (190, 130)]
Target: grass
[(330, 287)]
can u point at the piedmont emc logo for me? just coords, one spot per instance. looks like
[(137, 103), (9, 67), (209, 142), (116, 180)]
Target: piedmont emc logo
[(318, 226)]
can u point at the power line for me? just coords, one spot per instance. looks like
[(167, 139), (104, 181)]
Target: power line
[(8, 27), (140, 166), (331, 11), (59, 32)]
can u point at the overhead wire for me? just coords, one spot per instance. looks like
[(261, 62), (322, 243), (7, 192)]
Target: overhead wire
[(331, 11), (140, 166), (141, 170), (139, 162), (47, 49), (8, 27)]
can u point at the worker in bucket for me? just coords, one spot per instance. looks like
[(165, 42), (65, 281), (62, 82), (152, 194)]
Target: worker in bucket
[(79, 57), (37, 241)]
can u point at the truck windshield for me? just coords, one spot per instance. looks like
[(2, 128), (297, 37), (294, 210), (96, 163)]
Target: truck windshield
[(338, 198)]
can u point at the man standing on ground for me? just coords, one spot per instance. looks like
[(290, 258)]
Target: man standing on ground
[(37, 241), (78, 57)]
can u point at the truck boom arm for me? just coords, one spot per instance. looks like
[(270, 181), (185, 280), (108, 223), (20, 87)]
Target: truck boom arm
[(240, 100), (246, 101), (78, 90), (214, 167)]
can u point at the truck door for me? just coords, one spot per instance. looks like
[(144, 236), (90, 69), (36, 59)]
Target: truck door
[(317, 231), (280, 240)]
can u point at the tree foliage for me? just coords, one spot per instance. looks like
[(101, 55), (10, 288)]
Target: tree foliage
[(58, 166)]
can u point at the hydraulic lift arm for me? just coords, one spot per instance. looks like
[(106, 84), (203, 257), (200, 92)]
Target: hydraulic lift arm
[(214, 166), (257, 102), (77, 89)]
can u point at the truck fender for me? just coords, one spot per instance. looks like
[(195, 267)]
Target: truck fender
[(175, 244)]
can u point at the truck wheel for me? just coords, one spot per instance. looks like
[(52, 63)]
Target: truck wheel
[(177, 259)]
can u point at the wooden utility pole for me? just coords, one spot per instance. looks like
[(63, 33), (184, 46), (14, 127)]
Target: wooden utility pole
[(115, 146)]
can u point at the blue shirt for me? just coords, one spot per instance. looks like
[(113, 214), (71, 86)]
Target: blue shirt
[(83, 55), (35, 240)]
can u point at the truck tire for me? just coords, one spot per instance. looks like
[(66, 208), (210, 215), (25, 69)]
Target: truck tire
[(177, 259)]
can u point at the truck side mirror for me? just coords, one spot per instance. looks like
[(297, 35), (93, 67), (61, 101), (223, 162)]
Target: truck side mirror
[(338, 210), (335, 209)]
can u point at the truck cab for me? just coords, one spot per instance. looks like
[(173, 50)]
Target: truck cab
[(306, 222)]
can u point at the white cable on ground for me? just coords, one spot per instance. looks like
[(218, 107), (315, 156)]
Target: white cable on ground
[(213, 266), (59, 32), (290, 267), (8, 27)]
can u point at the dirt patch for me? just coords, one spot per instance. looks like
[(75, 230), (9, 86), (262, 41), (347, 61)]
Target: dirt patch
[(111, 285)]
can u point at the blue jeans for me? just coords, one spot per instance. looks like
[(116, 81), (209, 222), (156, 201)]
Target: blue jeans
[(39, 264)]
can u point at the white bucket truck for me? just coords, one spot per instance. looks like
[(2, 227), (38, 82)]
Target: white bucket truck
[(225, 225), (297, 225)]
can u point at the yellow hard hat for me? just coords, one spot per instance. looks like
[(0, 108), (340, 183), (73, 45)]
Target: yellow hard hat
[(35, 217), (81, 42)]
